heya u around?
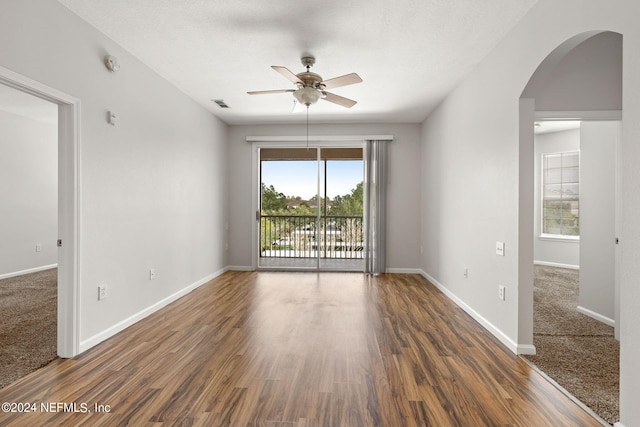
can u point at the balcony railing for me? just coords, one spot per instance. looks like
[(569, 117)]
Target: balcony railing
[(335, 237)]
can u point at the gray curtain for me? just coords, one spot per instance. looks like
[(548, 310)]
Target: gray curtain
[(375, 206)]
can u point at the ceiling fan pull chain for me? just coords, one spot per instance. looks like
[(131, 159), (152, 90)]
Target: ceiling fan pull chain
[(307, 127)]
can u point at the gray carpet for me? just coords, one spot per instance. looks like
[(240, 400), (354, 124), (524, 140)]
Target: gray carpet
[(578, 352), (28, 324)]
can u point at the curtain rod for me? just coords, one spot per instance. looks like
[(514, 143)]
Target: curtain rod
[(319, 138)]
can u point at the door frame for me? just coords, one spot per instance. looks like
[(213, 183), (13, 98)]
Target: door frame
[(314, 141), (257, 186), (68, 331), (602, 116)]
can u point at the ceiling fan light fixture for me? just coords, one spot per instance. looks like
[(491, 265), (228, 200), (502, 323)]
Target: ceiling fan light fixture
[(310, 87), (307, 95)]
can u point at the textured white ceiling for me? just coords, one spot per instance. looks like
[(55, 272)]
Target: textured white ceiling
[(409, 53)]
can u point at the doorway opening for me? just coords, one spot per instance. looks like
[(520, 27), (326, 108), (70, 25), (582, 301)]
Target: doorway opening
[(574, 290), (28, 252), (311, 209), (67, 242)]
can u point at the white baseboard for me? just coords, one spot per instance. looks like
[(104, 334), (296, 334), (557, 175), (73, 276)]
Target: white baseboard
[(597, 316), (404, 271), (240, 268), (513, 346), (526, 350), (28, 271), (618, 424), (109, 332), (556, 264)]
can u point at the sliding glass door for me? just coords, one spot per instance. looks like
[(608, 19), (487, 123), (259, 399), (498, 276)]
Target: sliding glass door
[(310, 215)]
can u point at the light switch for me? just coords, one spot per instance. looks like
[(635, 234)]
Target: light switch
[(500, 248)]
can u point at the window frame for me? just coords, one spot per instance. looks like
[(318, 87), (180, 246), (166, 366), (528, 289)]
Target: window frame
[(552, 236)]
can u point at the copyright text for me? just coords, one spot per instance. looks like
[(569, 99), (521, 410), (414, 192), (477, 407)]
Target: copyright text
[(52, 407)]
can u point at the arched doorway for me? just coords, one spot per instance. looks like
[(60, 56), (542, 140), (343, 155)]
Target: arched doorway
[(580, 80)]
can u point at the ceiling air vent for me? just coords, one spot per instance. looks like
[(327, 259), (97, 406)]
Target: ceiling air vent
[(220, 103)]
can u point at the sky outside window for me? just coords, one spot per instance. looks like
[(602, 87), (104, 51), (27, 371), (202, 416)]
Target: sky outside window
[(299, 177)]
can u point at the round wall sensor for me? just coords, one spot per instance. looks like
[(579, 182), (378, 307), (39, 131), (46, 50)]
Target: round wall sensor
[(111, 63)]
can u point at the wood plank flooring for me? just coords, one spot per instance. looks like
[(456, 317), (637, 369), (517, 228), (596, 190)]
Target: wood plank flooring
[(298, 349)]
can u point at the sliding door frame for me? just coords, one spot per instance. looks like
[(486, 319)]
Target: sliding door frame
[(315, 142)]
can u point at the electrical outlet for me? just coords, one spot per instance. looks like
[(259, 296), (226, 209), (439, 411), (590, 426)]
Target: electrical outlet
[(152, 273), (39, 247), (501, 292), (102, 292)]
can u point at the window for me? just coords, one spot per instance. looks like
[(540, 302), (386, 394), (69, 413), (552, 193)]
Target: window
[(561, 194)]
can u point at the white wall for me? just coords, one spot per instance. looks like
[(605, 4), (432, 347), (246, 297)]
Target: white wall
[(29, 188), (403, 207), (564, 253), (598, 142), (470, 179), (152, 188), (596, 60)]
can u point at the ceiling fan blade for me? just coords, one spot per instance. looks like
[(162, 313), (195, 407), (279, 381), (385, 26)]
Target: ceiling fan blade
[(264, 92), (340, 100), (287, 74), (347, 79)]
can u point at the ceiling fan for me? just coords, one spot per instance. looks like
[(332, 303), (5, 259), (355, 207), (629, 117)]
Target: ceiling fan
[(311, 87)]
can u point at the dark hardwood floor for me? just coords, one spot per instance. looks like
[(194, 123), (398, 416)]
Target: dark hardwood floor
[(298, 349)]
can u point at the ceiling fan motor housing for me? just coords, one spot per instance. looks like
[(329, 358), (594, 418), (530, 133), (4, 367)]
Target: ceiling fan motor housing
[(310, 79)]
